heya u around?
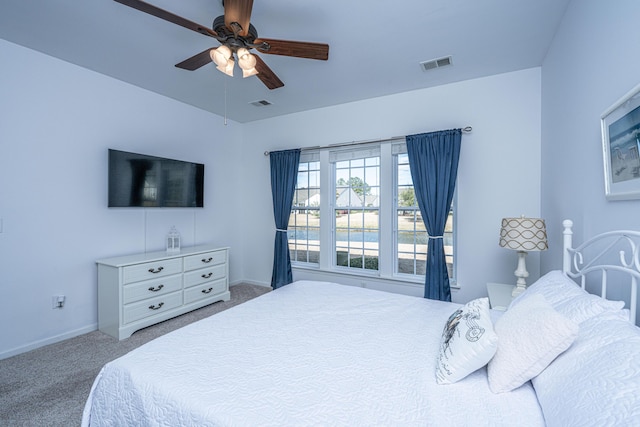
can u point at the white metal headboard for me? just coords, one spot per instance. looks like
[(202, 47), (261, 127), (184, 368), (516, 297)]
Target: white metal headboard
[(625, 242)]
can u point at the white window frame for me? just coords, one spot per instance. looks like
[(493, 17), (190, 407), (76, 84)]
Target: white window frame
[(344, 155), (387, 251)]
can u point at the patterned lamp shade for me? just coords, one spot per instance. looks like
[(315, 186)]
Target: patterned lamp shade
[(523, 234)]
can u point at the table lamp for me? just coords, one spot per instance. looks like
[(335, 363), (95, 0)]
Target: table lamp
[(523, 235)]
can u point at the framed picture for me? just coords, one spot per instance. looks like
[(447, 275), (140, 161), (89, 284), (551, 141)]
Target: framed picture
[(621, 147)]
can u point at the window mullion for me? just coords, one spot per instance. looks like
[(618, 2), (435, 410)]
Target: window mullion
[(386, 211), (327, 201)]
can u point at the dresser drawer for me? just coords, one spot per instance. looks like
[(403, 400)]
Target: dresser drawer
[(204, 290), (151, 288), (205, 275), (193, 262), (152, 306), (152, 270)]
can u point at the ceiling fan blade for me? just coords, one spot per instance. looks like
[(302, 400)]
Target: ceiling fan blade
[(267, 76), (298, 49), (238, 11), (168, 16), (196, 61)]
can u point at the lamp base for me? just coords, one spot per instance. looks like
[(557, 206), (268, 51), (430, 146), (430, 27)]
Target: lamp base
[(521, 273)]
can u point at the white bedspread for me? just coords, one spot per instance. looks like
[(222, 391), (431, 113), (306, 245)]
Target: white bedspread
[(307, 354)]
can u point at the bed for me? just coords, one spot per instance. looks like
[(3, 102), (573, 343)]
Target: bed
[(319, 354)]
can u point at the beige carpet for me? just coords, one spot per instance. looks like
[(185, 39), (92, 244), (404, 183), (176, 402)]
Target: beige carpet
[(49, 386)]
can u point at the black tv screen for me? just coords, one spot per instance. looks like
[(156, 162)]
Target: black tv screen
[(139, 180)]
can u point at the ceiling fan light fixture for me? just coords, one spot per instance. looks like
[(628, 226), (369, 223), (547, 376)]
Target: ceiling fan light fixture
[(221, 56), (249, 73), (227, 68), (246, 61), (243, 52)]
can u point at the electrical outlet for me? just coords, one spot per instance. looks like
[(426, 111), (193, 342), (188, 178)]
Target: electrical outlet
[(57, 301)]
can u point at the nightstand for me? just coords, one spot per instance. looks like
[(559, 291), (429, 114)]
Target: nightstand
[(500, 295)]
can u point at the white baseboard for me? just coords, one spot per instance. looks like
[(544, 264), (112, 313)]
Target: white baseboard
[(47, 341)]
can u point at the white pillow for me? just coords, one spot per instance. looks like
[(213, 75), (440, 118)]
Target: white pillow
[(596, 381), (568, 298), (530, 335), (468, 342)]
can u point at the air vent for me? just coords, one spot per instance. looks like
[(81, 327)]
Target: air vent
[(436, 63), (261, 103)]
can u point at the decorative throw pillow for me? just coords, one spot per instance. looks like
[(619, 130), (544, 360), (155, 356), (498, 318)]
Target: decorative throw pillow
[(468, 342), (568, 298), (531, 335)]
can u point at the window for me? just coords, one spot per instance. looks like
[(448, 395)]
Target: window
[(356, 213), (304, 222), (372, 224)]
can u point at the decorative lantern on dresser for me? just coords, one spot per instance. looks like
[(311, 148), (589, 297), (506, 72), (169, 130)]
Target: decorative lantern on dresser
[(173, 241)]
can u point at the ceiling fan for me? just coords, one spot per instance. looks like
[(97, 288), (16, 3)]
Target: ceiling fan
[(237, 36)]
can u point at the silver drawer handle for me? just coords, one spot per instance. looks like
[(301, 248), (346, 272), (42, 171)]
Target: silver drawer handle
[(206, 291), (207, 260), (156, 270), (152, 289), (206, 276), (153, 307)]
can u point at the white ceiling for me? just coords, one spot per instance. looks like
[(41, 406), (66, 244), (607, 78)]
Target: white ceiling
[(375, 46)]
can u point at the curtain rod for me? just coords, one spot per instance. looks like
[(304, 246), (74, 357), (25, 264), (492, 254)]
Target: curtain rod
[(466, 129)]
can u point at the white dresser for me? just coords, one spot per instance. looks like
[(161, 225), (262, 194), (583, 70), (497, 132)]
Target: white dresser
[(140, 290)]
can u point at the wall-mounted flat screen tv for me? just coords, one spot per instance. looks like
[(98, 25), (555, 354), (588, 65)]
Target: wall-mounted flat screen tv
[(140, 180)]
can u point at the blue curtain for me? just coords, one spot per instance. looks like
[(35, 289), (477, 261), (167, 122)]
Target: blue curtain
[(284, 172), (433, 160)]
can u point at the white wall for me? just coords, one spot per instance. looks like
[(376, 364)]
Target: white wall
[(56, 122), (499, 171), (592, 62)]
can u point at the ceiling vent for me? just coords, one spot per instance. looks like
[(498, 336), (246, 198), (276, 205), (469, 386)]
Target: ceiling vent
[(436, 63), (261, 103)]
